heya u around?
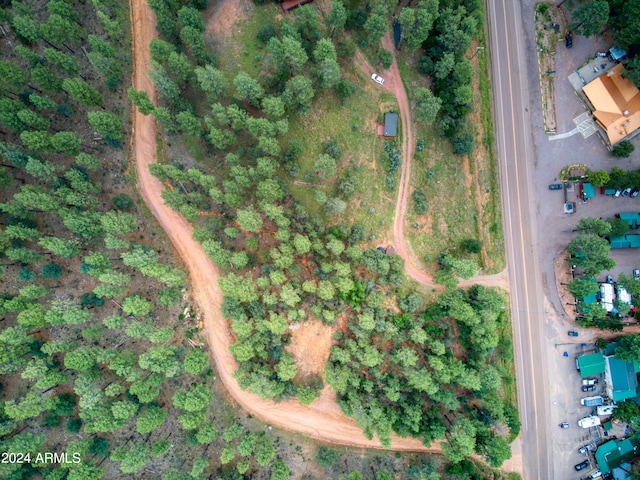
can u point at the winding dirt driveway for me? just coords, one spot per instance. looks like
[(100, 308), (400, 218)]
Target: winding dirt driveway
[(393, 84), (323, 419)]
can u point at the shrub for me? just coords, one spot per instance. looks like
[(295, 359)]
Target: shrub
[(91, 300), (420, 199), (74, 425), (50, 271), (344, 89), (623, 149), (462, 143), (386, 58), (122, 201), (332, 149), (472, 245), (266, 33), (325, 457), (425, 65)]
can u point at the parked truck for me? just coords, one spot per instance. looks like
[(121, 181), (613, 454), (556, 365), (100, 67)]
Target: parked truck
[(589, 381), (592, 401), (588, 422), (605, 410)]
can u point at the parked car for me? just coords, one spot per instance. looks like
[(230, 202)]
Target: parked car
[(588, 388), (636, 274), (595, 474), (568, 40), (564, 425), (589, 381), (555, 186), (572, 333), (635, 192), (626, 191), (610, 279), (618, 192), (584, 449), (582, 465), (377, 78)]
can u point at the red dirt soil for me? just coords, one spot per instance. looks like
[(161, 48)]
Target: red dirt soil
[(323, 419)]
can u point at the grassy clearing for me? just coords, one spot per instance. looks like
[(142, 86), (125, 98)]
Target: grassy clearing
[(246, 52), (453, 215), (372, 205)]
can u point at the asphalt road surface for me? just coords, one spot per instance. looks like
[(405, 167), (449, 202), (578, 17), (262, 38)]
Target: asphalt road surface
[(516, 156)]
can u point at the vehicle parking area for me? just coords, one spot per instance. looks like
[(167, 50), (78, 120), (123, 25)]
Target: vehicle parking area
[(575, 445)]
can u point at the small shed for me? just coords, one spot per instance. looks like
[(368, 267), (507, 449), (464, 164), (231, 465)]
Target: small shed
[(587, 191), (390, 124)]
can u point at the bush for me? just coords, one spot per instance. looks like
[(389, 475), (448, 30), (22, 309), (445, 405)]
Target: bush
[(462, 143), (325, 457), (344, 89), (332, 149), (26, 275), (74, 425), (334, 207), (420, 199), (386, 58), (122, 201), (266, 33), (623, 149), (50, 271), (91, 300), (472, 245), (425, 65)]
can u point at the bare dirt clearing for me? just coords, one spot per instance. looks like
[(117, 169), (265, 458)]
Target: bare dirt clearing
[(310, 344)]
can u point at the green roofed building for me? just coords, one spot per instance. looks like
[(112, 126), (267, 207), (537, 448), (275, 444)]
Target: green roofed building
[(620, 378), (628, 241), (592, 364), (390, 124), (616, 452), (632, 218), (588, 191)]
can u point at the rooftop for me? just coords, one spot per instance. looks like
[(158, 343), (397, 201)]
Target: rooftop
[(616, 103), (390, 124), (592, 364)]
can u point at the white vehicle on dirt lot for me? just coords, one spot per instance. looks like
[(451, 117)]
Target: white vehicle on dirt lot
[(377, 78), (592, 401), (605, 410), (588, 422), (589, 381)]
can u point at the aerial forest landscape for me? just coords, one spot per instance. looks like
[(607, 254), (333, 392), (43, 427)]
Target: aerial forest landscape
[(252, 240)]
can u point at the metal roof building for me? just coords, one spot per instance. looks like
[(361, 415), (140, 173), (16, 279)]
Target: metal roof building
[(591, 364), (390, 124), (632, 218), (616, 452), (620, 378)]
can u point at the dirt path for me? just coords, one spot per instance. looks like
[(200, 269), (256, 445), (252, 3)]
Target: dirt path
[(323, 419), (393, 84)]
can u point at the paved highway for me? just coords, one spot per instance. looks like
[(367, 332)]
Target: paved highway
[(516, 157)]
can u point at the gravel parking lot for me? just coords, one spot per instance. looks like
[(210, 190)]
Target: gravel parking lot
[(556, 232)]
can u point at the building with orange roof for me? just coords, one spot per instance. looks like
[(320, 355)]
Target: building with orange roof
[(615, 101)]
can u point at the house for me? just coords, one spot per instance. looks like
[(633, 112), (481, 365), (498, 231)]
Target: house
[(291, 4), (621, 382), (390, 124), (614, 453), (615, 102)]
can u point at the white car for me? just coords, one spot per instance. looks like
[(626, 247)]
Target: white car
[(377, 78)]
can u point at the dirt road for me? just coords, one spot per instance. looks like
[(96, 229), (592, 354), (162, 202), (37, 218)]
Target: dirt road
[(393, 84), (323, 419)]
